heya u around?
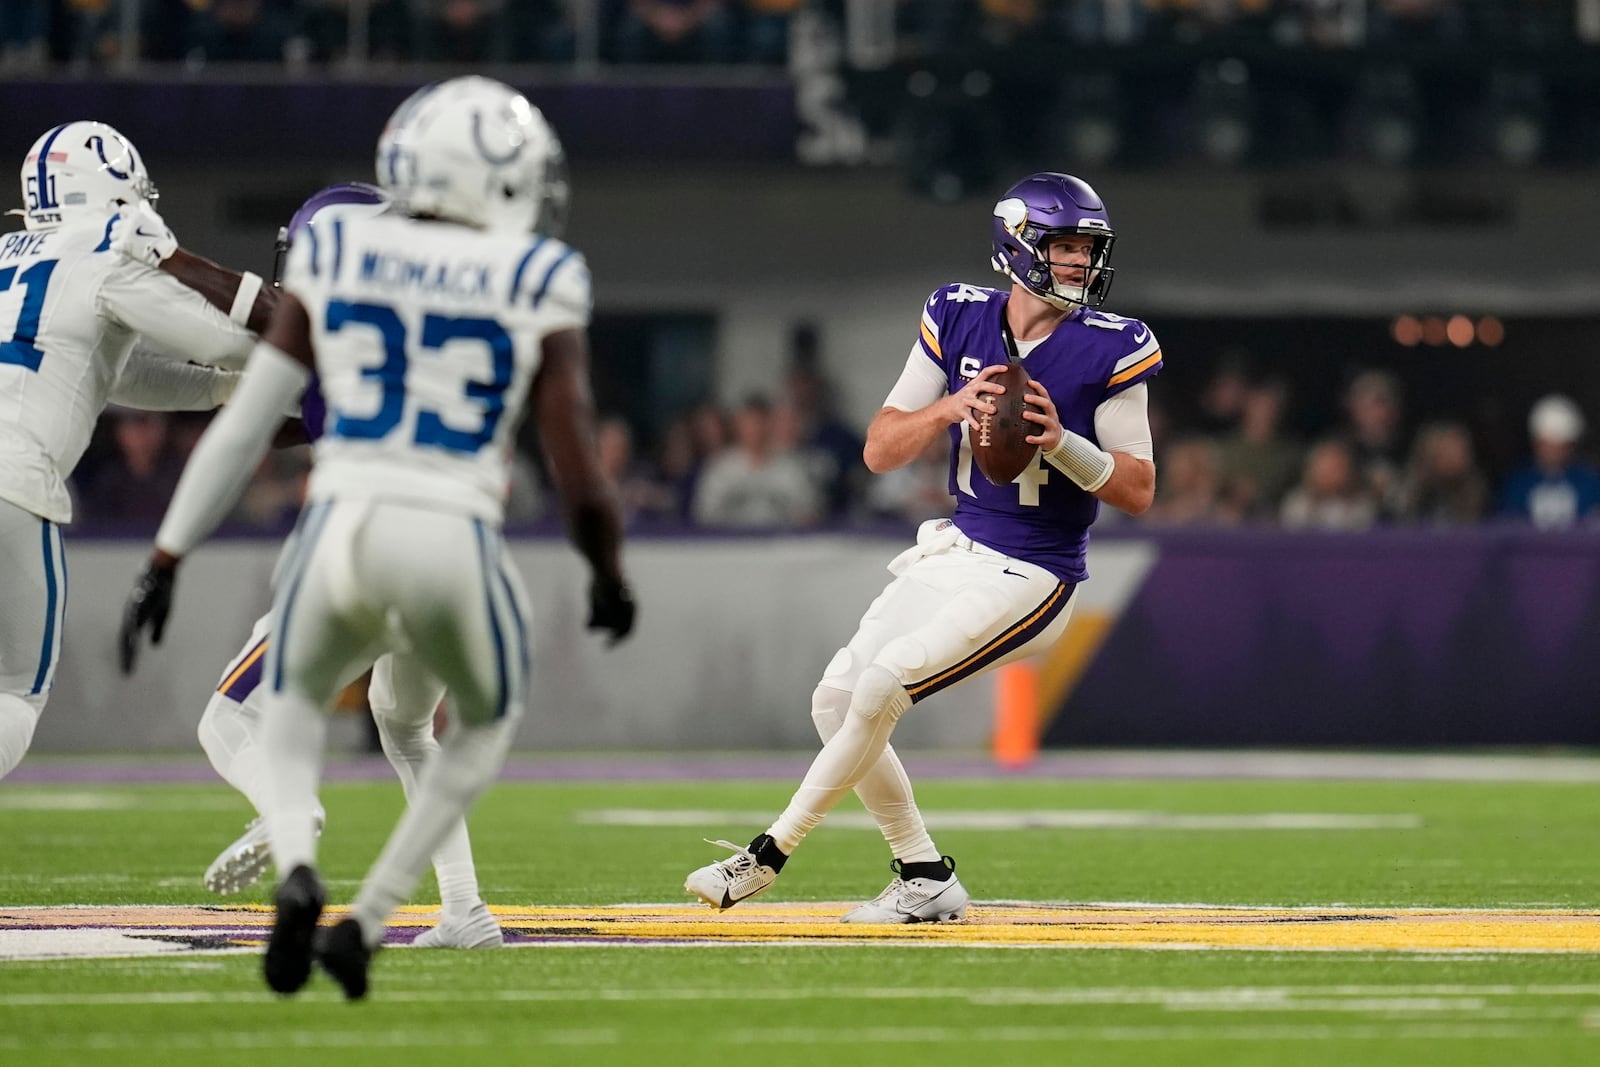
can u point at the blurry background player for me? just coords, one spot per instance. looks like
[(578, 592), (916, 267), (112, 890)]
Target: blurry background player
[(994, 583), (71, 309), (402, 696), (429, 326)]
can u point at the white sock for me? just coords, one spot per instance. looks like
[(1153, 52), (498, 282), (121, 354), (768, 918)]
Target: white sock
[(403, 697), (18, 717), (885, 791), (468, 760), (294, 735)]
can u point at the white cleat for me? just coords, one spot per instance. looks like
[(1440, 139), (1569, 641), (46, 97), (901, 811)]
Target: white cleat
[(242, 863), (915, 900), (478, 928), (739, 877)]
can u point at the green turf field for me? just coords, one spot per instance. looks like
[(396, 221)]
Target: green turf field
[(1361, 847)]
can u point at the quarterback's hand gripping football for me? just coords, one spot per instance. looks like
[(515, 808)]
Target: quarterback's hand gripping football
[(148, 606), (141, 234), (1041, 412), (975, 398), (611, 608)]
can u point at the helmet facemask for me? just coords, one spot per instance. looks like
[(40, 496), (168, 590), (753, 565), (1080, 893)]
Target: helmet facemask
[(1043, 208)]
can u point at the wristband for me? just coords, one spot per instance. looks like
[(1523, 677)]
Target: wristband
[(244, 298), (1086, 463)]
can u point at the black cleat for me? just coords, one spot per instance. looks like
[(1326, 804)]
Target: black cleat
[(344, 954), (300, 898)]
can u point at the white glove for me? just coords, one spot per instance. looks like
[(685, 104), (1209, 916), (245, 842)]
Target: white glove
[(142, 235)]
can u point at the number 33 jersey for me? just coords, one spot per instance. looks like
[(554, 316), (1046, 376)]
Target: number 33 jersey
[(427, 335), (1042, 516)]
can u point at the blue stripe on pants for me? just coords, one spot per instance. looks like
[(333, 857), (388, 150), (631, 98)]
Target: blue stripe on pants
[(47, 651)]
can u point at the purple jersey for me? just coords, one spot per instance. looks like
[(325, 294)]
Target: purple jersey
[(313, 410), (1042, 516)]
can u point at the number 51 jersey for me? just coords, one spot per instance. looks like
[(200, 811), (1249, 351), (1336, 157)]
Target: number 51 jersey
[(1042, 516), (427, 335)]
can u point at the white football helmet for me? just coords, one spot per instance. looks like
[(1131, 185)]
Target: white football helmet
[(81, 170), (474, 150)]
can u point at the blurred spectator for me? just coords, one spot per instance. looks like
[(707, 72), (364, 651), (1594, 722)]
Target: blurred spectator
[(676, 466), (134, 484), (831, 446), (1443, 485), (1331, 494), (93, 31), (675, 31), (1189, 486), (239, 31), (1222, 397), (325, 30), (638, 494), (753, 484), (541, 31), (766, 29), (919, 490), (1557, 489), (1258, 465), (24, 34), (460, 31), (1375, 435)]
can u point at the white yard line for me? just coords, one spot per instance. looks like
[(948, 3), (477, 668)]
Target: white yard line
[(1375, 998), (1051, 819)]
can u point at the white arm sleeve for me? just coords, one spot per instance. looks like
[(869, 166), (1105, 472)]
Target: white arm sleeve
[(1122, 423), (230, 448), (156, 383), (174, 317), (920, 384)]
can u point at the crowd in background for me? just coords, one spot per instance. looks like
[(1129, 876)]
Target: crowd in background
[(1230, 456), (1239, 459), (87, 32)]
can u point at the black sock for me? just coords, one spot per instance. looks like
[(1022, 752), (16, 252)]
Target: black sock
[(939, 870), (767, 852)]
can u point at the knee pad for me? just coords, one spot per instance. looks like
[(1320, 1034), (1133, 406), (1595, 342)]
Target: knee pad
[(828, 708), (879, 692)]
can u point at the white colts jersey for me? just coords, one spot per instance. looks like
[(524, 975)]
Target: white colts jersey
[(70, 310), (427, 335)]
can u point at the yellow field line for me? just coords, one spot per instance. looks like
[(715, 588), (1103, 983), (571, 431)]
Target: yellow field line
[(1020, 925)]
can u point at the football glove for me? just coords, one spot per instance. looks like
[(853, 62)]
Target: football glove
[(611, 607), (148, 606), (139, 233)]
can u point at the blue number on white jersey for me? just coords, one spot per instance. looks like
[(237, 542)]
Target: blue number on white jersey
[(437, 331), (18, 348)]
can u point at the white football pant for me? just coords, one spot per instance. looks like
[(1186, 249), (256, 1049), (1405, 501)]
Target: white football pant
[(359, 578), (33, 612), (955, 610)]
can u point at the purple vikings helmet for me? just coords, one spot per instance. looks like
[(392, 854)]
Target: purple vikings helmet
[(1037, 209), (332, 196)]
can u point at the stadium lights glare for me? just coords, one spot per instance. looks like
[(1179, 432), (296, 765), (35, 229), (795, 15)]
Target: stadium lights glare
[(1434, 331)]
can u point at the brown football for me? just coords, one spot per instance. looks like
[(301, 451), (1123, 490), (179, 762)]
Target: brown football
[(998, 447)]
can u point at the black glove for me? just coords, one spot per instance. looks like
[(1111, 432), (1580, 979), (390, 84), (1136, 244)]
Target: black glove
[(148, 605), (611, 607)]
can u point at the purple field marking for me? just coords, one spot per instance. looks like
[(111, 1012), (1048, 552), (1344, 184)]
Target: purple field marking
[(790, 767)]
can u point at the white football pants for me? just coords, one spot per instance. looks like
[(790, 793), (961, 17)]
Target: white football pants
[(955, 610), (33, 612), (359, 578)]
